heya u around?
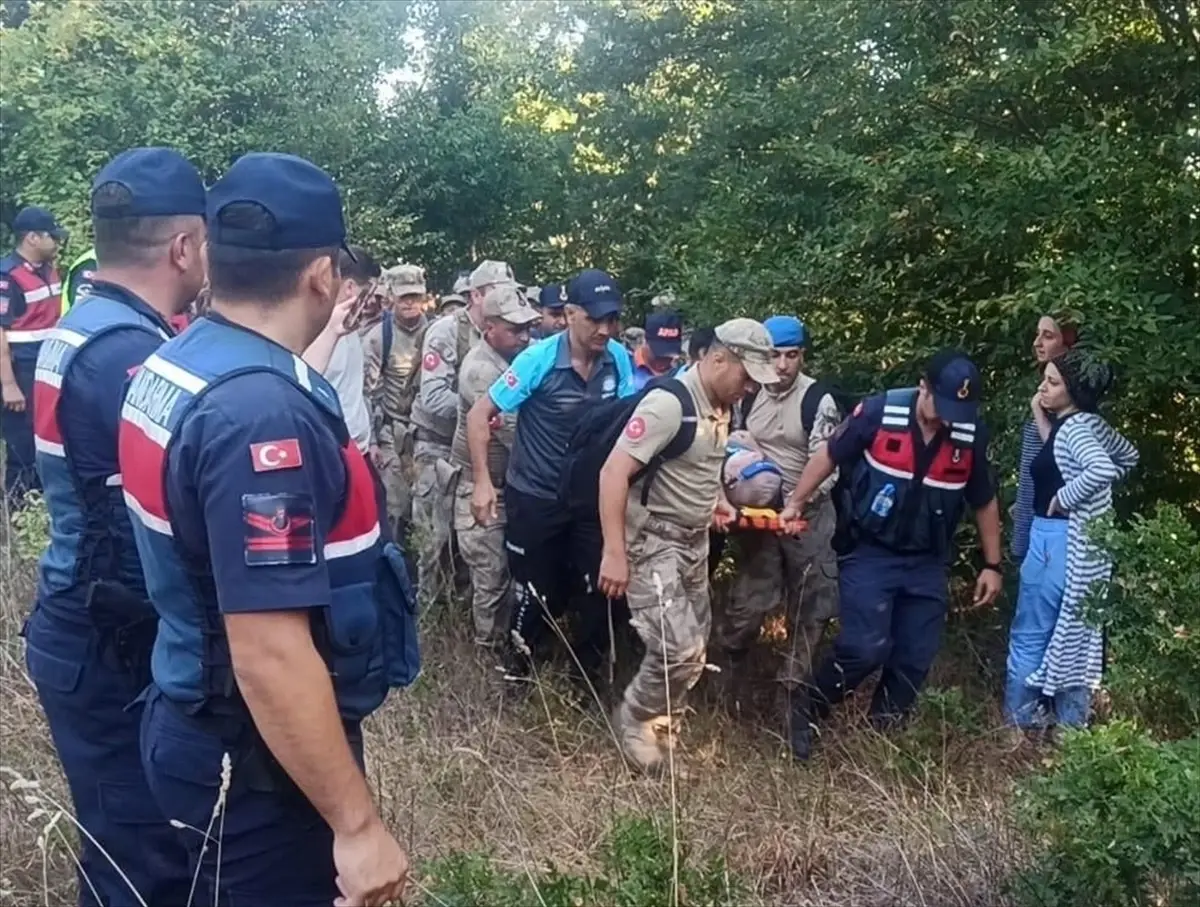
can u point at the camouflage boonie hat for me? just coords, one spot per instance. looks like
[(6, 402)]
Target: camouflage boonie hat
[(508, 303), (633, 337), (403, 280), (491, 273)]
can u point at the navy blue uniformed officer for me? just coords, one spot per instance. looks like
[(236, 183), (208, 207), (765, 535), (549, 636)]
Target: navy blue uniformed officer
[(551, 384), (88, 639), (283, 617), (911, 460), (30, 305), (552, 303)]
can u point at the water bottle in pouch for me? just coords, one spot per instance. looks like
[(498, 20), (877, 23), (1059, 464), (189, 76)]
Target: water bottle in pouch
[(882, 505)]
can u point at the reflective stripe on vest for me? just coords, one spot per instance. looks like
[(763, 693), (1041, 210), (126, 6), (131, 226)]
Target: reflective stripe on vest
[(42, 305), (80, 510), (920, 518), (191, 661)]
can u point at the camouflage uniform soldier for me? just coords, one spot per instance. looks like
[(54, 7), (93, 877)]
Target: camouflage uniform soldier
[(507, 319), (802, 571), (389, 385), (434, 415), (664, 570)]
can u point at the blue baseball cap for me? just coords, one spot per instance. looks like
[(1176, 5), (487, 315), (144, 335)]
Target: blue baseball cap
[(161, 182), (787, 331), (664, 334), (33, 219), (956, 385), (302, 199), (596, 293), (553, 296)]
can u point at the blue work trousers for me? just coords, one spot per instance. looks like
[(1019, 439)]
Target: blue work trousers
[(88, 700), (892, 611), (20, 470), (274, 848), (1043, 580)]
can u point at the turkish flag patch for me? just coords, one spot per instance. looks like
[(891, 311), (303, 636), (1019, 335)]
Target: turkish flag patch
[(279, 529), (272, 455), (635, 428), (430, 362)]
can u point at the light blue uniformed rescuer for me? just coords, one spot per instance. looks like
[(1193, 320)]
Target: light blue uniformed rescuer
[(283, 617), (87, 643), (551, 384)]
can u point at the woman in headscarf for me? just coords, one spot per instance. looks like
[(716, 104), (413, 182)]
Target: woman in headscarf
[(1053, 655)]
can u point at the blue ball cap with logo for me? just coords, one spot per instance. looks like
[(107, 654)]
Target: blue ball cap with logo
[(553, 296), (33, 219), (596, 293), (160, 182), (956, 385), (664, 335), (302, 201)]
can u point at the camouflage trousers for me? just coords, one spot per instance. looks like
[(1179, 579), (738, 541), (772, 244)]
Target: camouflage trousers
[(398, 472), (482, 548), (432, 518), (669, 607), (799, 573)]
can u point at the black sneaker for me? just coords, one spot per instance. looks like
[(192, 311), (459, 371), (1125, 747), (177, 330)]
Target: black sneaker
[(515, 666)]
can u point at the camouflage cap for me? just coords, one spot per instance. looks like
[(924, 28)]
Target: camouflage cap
[(449, 301), (508, 303), (403, 280), (749, 341), (491, 273), (462, 283)]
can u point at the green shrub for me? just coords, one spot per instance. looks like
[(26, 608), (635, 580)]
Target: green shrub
[(1114, 823), (1152, 617), (636, 869), (30, 528)]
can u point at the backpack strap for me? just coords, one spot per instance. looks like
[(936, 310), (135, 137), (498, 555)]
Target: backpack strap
[(810, 403), (684, 435)]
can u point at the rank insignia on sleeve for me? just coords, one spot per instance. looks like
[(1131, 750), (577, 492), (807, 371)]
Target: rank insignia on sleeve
[(278, 529)]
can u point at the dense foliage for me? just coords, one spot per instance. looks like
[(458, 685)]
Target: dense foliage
[(903, 174)]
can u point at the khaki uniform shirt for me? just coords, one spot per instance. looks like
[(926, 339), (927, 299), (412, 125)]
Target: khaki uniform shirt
[(776, 426), (686, 489), (385, 381), (480, 370), (435, 411)]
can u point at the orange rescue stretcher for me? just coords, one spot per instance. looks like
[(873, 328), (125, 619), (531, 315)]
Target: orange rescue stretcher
[(766, 519)]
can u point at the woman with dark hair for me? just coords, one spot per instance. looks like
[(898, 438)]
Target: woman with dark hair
[(1055, 335), (1052, 654)]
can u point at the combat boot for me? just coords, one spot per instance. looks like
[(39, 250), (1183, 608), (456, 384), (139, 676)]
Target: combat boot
[(639, 741)]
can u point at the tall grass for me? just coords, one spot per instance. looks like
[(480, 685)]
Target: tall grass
[(534, 785)]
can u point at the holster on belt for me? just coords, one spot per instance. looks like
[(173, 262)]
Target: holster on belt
[(126, 624), (447, 476)]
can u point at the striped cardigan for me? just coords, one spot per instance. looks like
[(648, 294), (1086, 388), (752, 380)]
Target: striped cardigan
[(1022, 513), (1092, 457)]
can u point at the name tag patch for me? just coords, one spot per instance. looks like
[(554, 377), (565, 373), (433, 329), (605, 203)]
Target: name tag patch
[(279, 529)]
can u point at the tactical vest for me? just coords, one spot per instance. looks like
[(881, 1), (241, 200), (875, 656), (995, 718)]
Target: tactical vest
[(367, 634), (43, 300), (925, 504), (78, 281), (90, 570)]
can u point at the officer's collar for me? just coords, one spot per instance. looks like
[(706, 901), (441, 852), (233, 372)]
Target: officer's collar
[(125, 296), (562, 356)]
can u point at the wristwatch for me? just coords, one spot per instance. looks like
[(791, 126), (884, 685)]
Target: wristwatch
[(994, 567)]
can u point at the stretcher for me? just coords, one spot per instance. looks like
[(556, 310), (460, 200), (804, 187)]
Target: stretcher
[(766, 519)]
